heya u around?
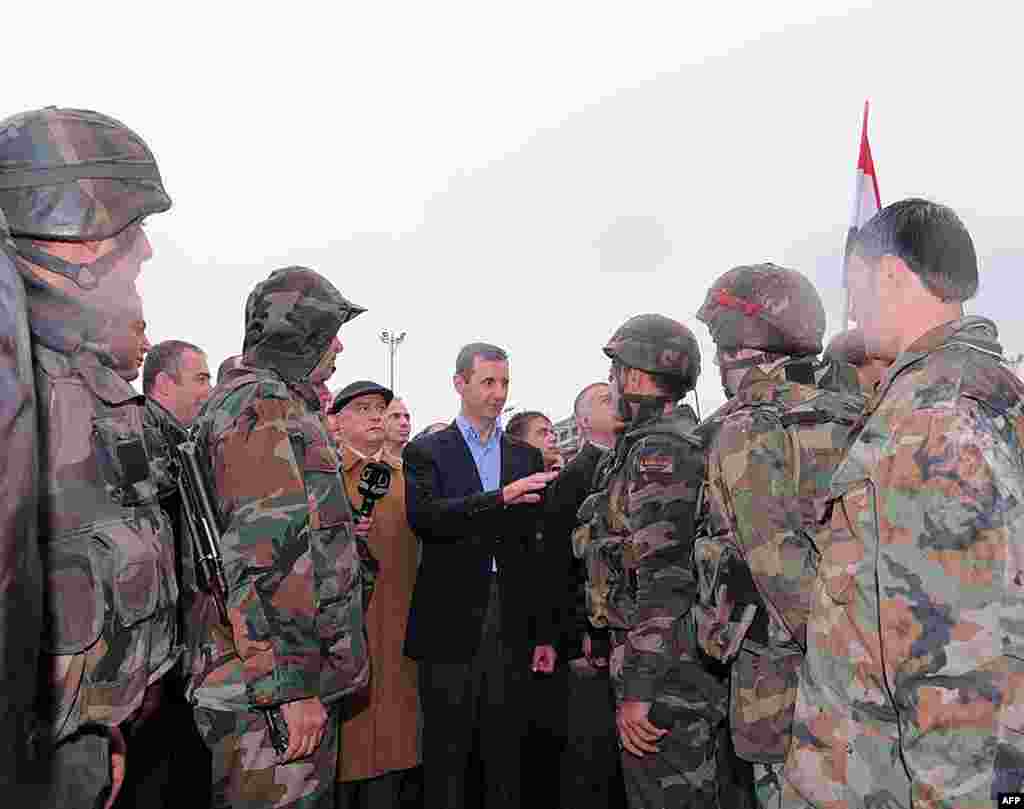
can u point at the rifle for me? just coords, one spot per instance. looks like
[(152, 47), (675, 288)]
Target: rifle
[(205, 530), (202, 524)]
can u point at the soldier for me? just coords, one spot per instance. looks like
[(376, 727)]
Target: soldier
[(637, 539), (912, 685), (21, 591), (770, 455), (294, 644), (76, 186)]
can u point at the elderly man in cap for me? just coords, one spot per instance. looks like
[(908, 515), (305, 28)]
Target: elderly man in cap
[(379, 731)]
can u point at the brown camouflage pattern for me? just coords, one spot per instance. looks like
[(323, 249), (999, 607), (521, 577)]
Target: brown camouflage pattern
[(771, 456), (295, 592), (245, 769), (21, 591), (765, 306), (75, 174), (911, 689)]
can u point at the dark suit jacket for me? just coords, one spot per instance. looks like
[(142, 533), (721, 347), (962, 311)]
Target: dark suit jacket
[(564, 496), (461, 528)]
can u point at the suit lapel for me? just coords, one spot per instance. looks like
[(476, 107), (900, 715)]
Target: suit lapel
[(458, 444), (508, 467)]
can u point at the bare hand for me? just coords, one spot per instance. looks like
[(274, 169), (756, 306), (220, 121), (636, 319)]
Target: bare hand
[(636, 733), (525, 489), (307, 720), (118, 764), (588, 652), (363, 526), (717, 633), (544, 658)]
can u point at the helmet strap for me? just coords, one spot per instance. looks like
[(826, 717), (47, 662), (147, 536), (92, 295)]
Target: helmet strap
[(86, 276)]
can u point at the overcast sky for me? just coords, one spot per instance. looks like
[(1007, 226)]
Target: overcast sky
[(531, 174)]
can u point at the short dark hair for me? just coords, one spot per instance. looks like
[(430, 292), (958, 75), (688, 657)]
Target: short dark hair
[(930, 239), (469, 353), (582, 395), (166, 357), (519, 425)]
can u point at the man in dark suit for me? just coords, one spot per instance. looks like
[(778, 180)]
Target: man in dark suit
[(478, 621)]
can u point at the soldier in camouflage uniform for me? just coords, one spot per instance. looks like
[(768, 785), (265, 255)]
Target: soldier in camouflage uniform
[(771, 451), (75, 186), (912, 689), (848, 347), (296, 639), (21, 590), (636, 538)]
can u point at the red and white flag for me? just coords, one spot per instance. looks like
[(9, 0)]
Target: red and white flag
[(866, 203)]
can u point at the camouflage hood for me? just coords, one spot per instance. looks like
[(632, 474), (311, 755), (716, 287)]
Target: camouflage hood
[(290, 320)]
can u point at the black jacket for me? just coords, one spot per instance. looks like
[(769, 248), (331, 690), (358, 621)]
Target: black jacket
[(565, 495), (462, 528)]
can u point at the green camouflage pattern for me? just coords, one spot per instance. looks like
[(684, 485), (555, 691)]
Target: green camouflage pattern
[(290, 321), (770, 461), (765, 306), (21, 590), (75, 175), (246, 772), (913, 681), (636, 539), (294, 587), (658, 345)]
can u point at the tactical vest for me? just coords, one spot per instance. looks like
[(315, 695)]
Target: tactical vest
[(764, 674), (601, 536)]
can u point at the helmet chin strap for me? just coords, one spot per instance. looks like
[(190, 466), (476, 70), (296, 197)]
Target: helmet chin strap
[(648, 407), (737, 365), (86, 276)]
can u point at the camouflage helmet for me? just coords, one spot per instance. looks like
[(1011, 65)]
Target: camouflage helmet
[(658, 345), (767, 307), (75, 175)]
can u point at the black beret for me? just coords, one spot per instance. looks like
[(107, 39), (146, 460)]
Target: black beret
[(353, 390)]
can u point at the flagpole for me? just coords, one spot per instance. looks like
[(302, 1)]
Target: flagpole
[(854, 215)]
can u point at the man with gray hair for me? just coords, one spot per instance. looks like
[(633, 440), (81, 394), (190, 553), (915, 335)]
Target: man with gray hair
[(476, 623)]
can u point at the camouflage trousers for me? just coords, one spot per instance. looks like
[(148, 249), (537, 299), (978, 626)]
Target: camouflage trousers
[(79, 774), (246, 772), (695, 766)]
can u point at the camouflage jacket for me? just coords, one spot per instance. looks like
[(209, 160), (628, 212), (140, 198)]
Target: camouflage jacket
[(21, 590), (636, 537), (106, 544), (770, 460), (295, 591), (915, 635)]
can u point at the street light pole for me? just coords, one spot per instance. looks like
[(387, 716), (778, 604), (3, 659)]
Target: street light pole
[(392, 341)]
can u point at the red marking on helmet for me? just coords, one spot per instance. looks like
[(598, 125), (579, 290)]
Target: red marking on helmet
[(725, 298)]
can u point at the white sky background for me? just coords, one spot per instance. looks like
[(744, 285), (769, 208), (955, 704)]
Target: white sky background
[(531, 174)]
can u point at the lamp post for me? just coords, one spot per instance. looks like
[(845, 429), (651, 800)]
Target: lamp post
[(392, 341)]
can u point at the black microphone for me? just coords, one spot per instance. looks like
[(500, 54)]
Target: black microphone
[(374, 483)]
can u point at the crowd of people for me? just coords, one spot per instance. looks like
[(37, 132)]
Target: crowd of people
[(256, 591)]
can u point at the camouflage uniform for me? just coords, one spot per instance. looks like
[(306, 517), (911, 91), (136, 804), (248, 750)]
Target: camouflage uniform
[(636, 538), (295, 594), (106, 546), (21, 591), (771, 453), (913, 681)]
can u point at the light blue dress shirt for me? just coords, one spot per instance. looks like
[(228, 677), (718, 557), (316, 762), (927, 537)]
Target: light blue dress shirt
[(486, 456)]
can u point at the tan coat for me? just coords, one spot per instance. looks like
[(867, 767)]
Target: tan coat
[(380, 725)]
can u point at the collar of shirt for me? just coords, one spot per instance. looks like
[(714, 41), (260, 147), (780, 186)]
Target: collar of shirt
[(487, 457)]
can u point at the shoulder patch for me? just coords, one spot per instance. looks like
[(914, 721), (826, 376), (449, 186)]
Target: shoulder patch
[(654, 462)]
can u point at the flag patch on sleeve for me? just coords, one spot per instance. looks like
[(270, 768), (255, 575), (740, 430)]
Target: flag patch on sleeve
[(655, 464)]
